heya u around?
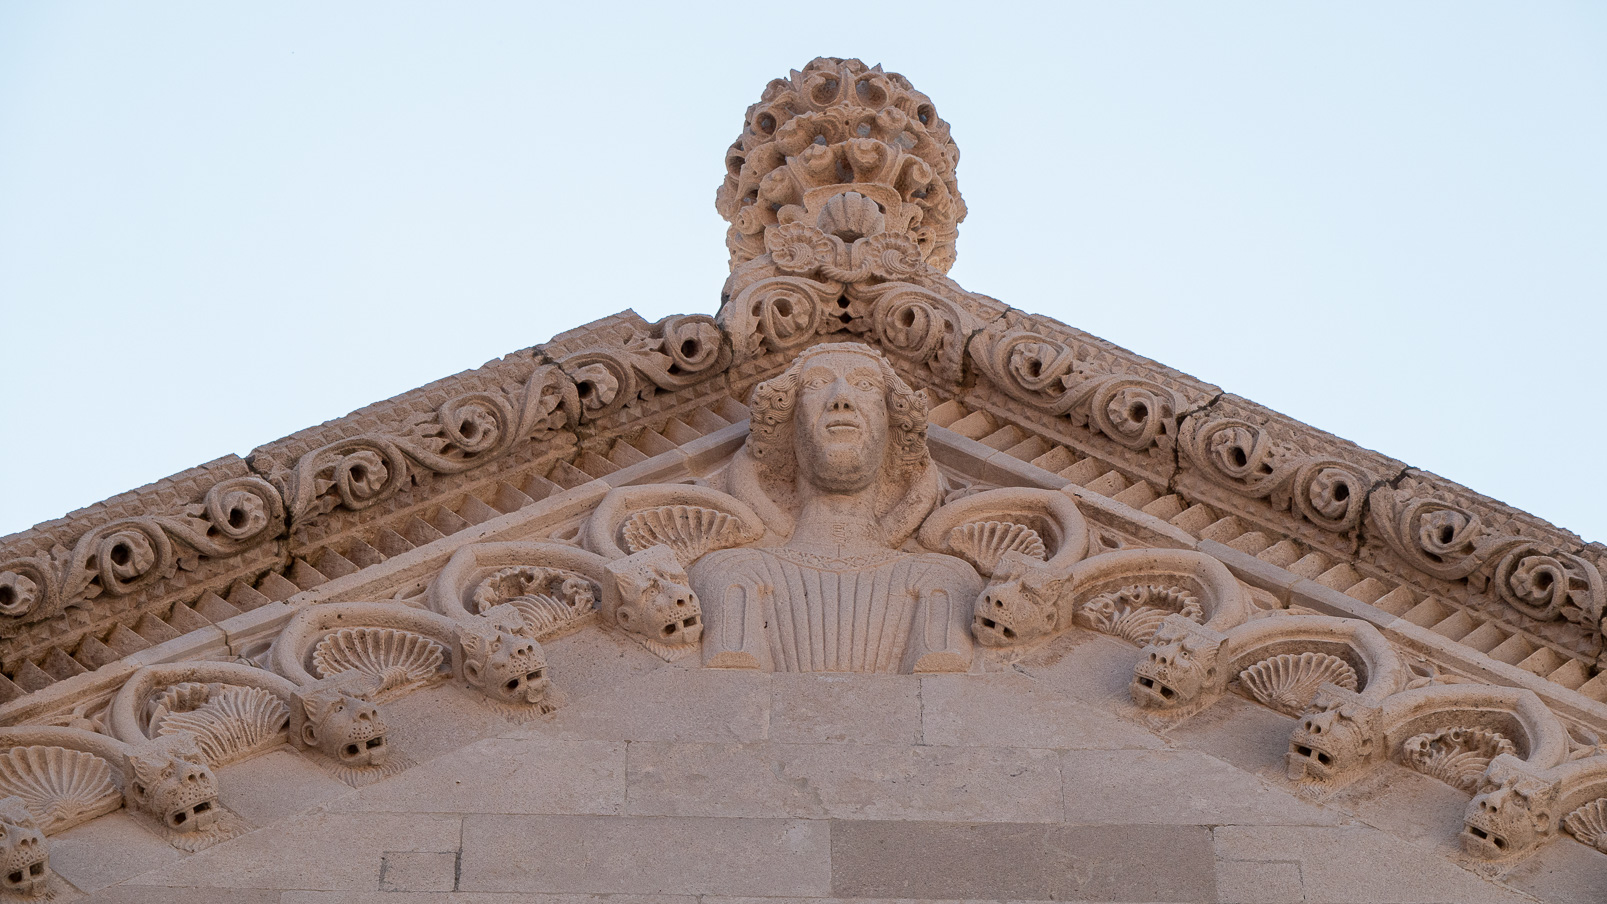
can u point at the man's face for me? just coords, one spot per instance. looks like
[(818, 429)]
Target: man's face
[(841, 421)]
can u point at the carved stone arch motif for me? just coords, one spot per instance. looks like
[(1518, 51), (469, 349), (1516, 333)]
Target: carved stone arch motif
[(984, 527)]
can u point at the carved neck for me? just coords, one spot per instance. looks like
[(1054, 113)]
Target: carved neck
[(838, 524)]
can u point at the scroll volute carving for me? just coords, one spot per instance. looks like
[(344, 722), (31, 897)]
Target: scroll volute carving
[(1045, 373), (1244, 457)]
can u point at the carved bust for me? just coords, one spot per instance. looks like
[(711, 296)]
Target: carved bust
[(838, 469)]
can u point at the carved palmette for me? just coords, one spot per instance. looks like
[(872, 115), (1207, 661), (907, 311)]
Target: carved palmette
[(1588, 823), (398, 659), (690, 530), (1133, 613), (984, 543), (1288, 682), (228, 721), (1456, 756), (61, 787)]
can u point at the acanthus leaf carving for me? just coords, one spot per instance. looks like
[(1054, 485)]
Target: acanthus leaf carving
[(675, 353)]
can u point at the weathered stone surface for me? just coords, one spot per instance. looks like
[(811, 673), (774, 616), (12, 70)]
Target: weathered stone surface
[(1174, 787), (1358, 865), (1259, 882), (506, 775), (845, 709), (330, 851), (276, 785), (624, 855), (418, 871), (1005, 861), (669, 704), (106, 851), (1011, 710), (844, 780)]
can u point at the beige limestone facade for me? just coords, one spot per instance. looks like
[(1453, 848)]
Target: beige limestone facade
[(864, 587)]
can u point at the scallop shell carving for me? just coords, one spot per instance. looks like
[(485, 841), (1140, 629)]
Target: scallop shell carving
[(689, 530), (1288, 682), (1455, 756), (1133, 613), (547, 598), (61, 787), (228, 721), (851, 216), (399, 660), (984, 543), (1589, 823)]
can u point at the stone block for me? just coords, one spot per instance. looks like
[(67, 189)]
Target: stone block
[(1012, 710), (276, 785), (1562, 872), (1174, 787), (1414, 807), (622, 855), (1238, 731), (151, 894), (463, 897), (418, 870), (436, 720), (837, 708), (1359, 865), (505, 775), (1082, 665), (844, 781), (703, 705), (108, 850), (925, 860), (328, 851), (1258, 882)]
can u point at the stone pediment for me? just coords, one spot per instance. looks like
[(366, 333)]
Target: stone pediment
[(1047, 547)]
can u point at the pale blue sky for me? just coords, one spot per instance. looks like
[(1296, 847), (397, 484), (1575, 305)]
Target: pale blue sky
[(221, 223)]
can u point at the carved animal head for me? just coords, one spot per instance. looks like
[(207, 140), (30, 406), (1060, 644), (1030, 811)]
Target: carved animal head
[(1178, 665), (343, 727), (170, 779), (1021, 603), (655, 599), (1513, 811), (1337, 734), (24, 859), (503, 665)]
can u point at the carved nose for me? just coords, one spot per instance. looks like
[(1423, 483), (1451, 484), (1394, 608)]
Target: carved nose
[(840, 402), (367, 715), (1491, 803), (1159, 658)]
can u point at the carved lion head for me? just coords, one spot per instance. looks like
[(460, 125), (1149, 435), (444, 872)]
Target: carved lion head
[(656, 600), (170, 779), (24, 860), (1513, 811), (1178, 665), (1020, 604), (1337, 734), (504, 666)]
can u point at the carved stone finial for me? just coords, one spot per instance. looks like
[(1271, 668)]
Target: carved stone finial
[(849, 151)]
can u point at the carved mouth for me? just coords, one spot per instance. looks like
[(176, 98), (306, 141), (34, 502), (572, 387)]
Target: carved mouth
[(1148, 689), (1482, 842), (994, 629), (373, 747), (193, 818), (671, 629), (26, 877)]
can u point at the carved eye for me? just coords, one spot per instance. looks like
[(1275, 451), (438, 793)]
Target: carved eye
[(865, 385), (815, 383)]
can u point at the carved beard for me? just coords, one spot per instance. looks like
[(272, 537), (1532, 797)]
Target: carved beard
[(842, 462)]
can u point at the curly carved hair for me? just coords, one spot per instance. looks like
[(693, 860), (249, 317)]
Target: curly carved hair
[(774, 404)]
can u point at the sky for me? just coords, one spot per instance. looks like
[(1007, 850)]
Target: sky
[(222, 223)]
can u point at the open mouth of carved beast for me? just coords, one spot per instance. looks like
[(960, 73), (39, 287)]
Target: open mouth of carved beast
[(1154, 692), (373, 748), (680, 630), (193, 818), (990, 629), (1308, 761), (1481, 842), (27, 877)]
